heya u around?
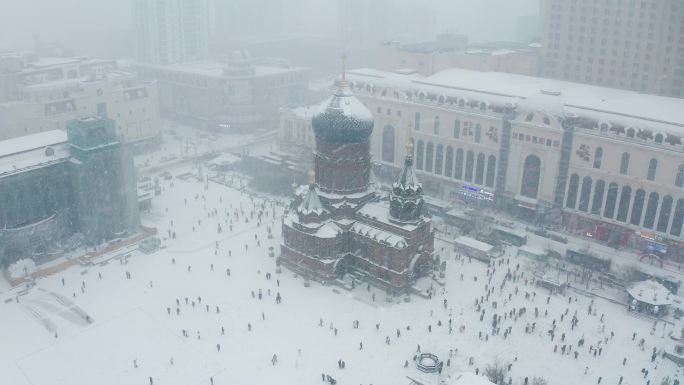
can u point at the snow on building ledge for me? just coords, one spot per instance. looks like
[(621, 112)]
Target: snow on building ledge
[(32, 151), (481, 90)]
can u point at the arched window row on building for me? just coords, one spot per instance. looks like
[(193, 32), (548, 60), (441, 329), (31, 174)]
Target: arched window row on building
[(480, 169), (638, 208), (460, 102), (388, 143)]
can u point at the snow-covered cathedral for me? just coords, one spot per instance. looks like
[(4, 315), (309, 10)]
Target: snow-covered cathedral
[(339, 224)]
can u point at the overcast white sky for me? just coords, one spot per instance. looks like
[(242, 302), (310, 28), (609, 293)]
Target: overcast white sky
[(79, 22)]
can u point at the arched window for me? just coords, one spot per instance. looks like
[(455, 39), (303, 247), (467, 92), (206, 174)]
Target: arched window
[(449, 161), (664, 217), (458, 167), (420, 148), (585, 194), (547, 121), (573, 186), (461, 103), (491, 171), (659, 138), (623, 208), (598, 157), (429, 155), (479, 169), (637, 207), (529, 117), (439, 159), (478, 133), (624, 163), (388, 134), (416, 123), (457, 128), (470, 160), (679, 179), (435, 129), (611, 200), (651, 209), (630, 132), (529, 185), (598, 197), (678, 219), (483, 106), (652, 167)]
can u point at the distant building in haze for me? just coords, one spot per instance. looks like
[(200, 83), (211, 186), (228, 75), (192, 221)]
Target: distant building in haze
[(44, 94), (364, 24), (628, 44), (171, 31), (238, 94), (453, 51)]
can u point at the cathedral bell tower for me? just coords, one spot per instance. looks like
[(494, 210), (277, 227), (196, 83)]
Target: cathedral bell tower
[(406, 199)]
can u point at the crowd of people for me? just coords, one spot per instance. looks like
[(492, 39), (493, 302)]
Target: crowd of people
[(505, 303)]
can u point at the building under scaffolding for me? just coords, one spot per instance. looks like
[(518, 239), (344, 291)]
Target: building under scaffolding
[(60, 190)]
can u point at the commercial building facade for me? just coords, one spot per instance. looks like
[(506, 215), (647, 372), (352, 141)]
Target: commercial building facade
[(601, 162), (628, 44), (44, 95)]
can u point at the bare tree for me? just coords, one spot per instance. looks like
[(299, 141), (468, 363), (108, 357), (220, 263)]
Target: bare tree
[(630, 273), (539, 381), (496, 372)]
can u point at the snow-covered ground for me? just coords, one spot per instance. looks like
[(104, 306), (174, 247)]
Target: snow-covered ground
[(181, 144), (93, 330)]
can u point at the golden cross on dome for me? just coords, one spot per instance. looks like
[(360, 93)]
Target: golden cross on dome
[(312, 168), (409, 148), (312, 176), (409, 142), (343, 58)]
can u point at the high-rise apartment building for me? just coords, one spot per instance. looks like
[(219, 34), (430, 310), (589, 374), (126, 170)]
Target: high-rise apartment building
[(629, 44), (171, 31)]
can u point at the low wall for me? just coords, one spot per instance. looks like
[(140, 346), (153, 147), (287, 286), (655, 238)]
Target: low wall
[(44, 272)]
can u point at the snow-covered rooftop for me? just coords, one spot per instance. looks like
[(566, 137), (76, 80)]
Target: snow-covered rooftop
[(650, 292), (225, 160), (32, 151), (627, 107), (216, 68), (311, 204), (379, 211), (474, 244), (379, 235), (345, 101), (328, 230), (30, 142)]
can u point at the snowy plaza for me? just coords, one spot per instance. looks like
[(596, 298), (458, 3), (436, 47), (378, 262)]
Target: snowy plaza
[(203, 309)]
